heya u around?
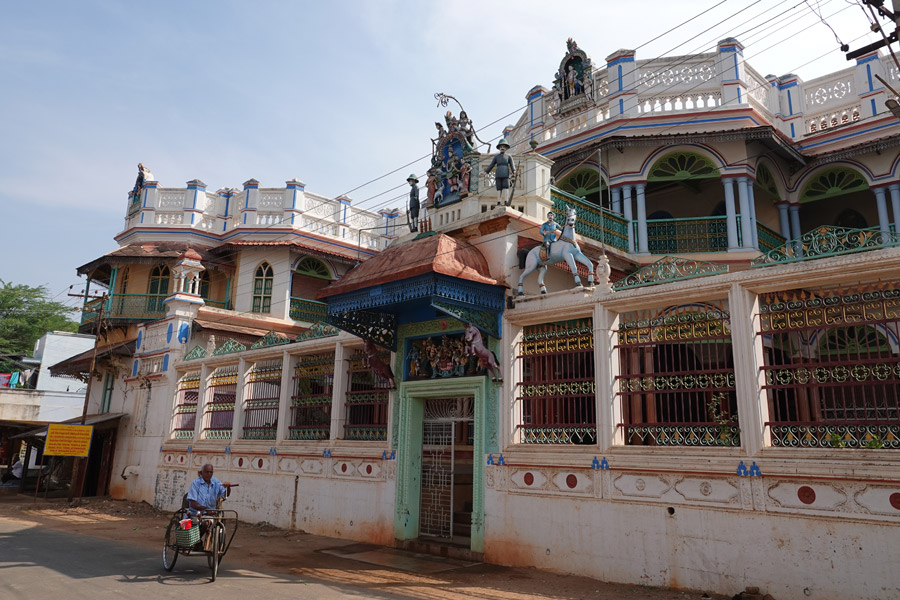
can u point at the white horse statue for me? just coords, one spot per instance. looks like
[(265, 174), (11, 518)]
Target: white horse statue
[(486, 358), (565, 248)]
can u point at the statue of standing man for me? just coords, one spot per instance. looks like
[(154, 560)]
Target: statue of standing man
[(505, 168), (413, 203)]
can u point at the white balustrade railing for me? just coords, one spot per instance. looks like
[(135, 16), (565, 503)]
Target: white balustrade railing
[(677, 75), (170, 218), (171, 199), (831, 119), (830, 92), (273, 219)]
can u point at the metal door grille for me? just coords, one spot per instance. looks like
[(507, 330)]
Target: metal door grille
[(437, 480), (438, 446)]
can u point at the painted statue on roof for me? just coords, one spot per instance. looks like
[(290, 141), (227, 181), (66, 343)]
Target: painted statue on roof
[(454, 158), (573, 83)]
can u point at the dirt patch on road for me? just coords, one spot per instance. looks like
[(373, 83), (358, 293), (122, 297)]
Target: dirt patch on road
[(262, 547)]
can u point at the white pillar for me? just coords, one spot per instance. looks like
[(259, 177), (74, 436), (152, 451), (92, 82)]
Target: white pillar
[(746, 216), (626, 197), (617, 200), (784, 220), (240, 394), (795, 221), (606, 367), (202, 392), (752, 403), (884, 223), (339, 390), (895, 204), (284, 398), (643, 245), (753, 227), (730, 219)]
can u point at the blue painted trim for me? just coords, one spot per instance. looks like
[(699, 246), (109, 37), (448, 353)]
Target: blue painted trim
[(620, 78), (241, 233), (736, 74), (862, 61), (742, 117), (621, 110), (869, 77), (792, 131), (790, 84), (619, 61), (790, 104), (874, 108), (739, 95), (227, 202), (195, 200), (142, 217)]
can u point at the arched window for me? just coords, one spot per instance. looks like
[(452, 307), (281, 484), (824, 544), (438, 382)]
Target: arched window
[(123, 281), (158, 288), (313, 267), (204, 284), (262, 288), (159, 281), (585, 183)]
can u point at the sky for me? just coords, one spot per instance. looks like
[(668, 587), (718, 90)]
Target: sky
[(337, 94)]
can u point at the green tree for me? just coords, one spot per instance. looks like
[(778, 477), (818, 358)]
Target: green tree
[(26, 313)]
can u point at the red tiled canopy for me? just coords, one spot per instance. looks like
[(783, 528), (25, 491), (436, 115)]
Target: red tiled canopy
[(437, 253)]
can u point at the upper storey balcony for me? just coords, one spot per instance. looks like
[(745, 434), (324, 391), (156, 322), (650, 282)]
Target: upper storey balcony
[(668, 93), (253, 213)]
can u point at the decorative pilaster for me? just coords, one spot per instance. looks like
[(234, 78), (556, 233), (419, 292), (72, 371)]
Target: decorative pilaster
[(895, 204), (730, 217), (296, 190), (196, 196), (643, 245), (884, 222), (784, 220), (617, 200), (251, 202), (731, 72), (795, 221), (746, 216), (623, 79), (626, 193)]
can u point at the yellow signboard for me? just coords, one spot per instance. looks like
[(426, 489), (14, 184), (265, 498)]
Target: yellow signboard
[(68, 440)]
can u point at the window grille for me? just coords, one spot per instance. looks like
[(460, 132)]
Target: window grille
[(367, 399), (556, 394), (311, 400), (262, 289), (219, 415), (186, 406), (263, 391), (831, 364), (158, 289), (676, 377)]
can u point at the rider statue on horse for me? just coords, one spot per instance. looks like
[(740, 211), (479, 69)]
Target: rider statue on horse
[(557, 247)]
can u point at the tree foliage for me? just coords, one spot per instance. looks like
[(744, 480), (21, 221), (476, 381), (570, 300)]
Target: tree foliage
[(26, 313)]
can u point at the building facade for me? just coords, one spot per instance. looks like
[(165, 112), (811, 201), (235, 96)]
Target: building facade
[(716, 405)]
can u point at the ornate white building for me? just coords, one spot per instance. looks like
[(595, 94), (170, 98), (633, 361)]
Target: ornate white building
[(721, 409)]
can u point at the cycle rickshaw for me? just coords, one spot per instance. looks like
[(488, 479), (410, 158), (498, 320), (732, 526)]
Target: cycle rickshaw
[(187, 541)]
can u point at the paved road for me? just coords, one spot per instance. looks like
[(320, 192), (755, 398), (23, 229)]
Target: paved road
[(42, 563)]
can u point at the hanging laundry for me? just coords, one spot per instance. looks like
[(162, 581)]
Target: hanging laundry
[(4, 379), (14, 379)]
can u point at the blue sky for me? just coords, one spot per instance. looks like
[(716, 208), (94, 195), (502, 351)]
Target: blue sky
[(336, 94)]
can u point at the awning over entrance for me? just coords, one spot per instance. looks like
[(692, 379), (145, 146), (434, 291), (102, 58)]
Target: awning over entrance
[(79, 365), (104, 421), (432, 275)]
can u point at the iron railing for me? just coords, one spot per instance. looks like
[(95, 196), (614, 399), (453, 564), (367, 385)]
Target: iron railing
[(556, 393), (367, 400), (832, 377), (186, 406), (677, 381), (308, 310), (311, 400), (593, 222), (263, 389)]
